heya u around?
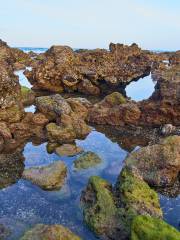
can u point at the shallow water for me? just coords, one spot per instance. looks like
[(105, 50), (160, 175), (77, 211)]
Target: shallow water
[(141, 89), (23, 204)]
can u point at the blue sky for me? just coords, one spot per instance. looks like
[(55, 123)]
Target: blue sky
[(153, 24)]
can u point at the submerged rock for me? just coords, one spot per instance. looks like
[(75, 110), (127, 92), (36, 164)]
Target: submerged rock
[(11, 168), (145, 227), (49, 232), (68, 150), (49, 177), (87, 160), (158, 164)]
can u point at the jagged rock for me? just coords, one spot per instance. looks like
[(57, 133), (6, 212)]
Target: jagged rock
[(159, 164), (145, 227), (87, 160), (53, 232), (28, 96), (89, 71), (48, 177), (11, 168), (68, 150)]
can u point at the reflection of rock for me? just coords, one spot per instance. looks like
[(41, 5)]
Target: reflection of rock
[(48, 177), (89, 71), (145, 227), (87, 160), (4, 232), (28, 96), (159, 164), (110, 213), (51, 232), (11, 168), (68, 150)]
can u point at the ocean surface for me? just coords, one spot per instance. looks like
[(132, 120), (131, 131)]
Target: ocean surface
[(24, 204)]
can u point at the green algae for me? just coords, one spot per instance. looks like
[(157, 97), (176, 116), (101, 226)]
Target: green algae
[(145, 227)]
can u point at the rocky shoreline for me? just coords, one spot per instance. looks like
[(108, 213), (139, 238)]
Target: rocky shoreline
[(111, 212)]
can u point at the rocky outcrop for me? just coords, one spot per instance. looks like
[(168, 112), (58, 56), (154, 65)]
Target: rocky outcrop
[(48, 177), (145, 227), (89, 71), (53, 232), (87, 160), (109, 213), (159, 164)]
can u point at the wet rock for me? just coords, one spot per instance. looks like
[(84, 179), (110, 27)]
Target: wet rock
[(11, 168), (69, 129), (99, 209), (49, 177), (145, 227), (4, 232), (68, 150), (87, 160), (28, 96), (133, 194), (109, 213), (159, 164), (89, 71), (53, 232)]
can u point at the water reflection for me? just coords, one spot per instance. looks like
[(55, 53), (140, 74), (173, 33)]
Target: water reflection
[(141, 89)]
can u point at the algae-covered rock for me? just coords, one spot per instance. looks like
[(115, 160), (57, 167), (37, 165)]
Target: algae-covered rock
[(87, 160), (48, 177), (158, 164), (132, 192), (28, 96), (68, 150), (148, 228), (49, 232), (100, 212)]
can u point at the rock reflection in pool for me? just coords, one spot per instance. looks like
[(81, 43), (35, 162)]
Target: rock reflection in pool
[(141, 89), (24, 204)]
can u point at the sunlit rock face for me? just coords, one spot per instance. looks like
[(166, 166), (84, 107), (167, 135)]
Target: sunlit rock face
[(89, 71)]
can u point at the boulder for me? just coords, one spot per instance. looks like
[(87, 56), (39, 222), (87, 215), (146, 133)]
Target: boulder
[(47, 232), (87, 160), (158, 164), (48, 177), (145, 227)]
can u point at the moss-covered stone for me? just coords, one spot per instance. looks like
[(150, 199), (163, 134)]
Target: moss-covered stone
[(99, 207), (148, 228), (47, 232), (133, 193), (87, 160)]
